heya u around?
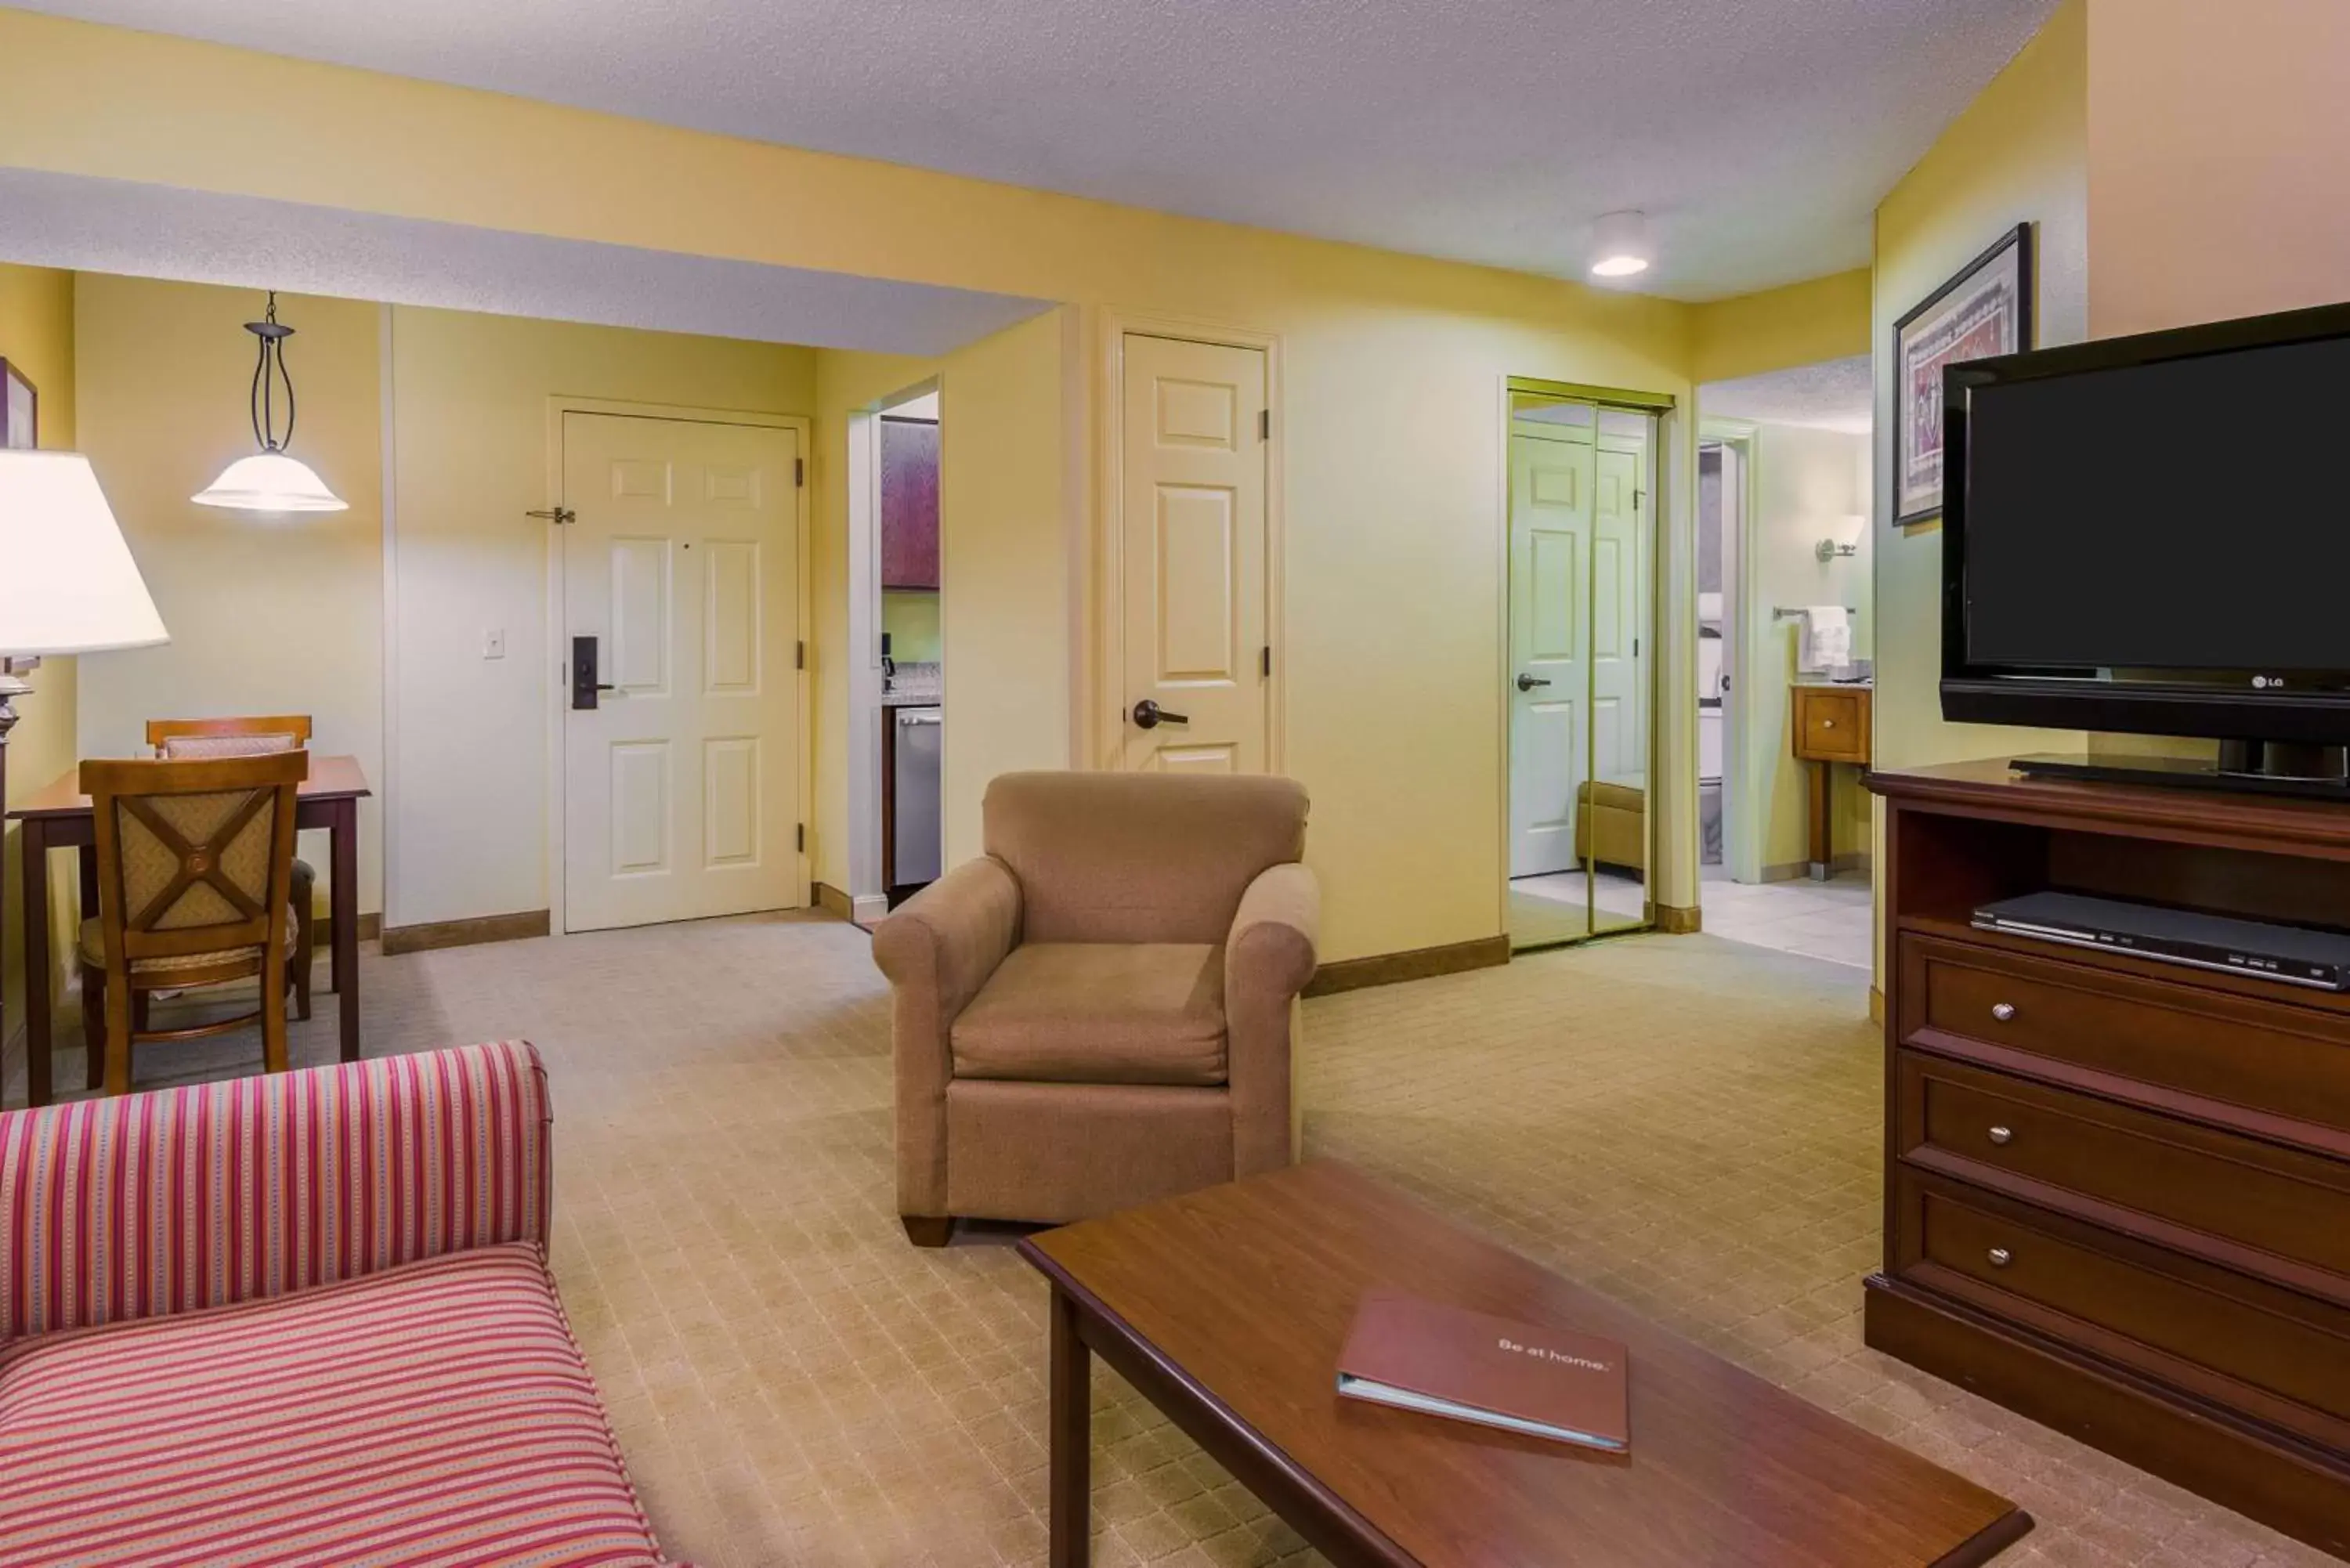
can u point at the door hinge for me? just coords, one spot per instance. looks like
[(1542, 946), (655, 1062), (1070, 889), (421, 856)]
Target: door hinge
[(559, 516), (1264, 660), (1264, 424), (799, 655), (799, 474), (800, 838)]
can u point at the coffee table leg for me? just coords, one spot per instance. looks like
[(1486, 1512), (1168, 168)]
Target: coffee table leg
[(1071, 1398)]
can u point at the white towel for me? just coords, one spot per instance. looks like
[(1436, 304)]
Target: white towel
[(1826, 639)]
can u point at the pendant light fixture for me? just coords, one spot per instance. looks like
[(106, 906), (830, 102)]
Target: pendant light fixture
[(270, 480)]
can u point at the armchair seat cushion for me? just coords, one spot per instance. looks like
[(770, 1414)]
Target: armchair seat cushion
[(439, 1413), (1098, 1012)]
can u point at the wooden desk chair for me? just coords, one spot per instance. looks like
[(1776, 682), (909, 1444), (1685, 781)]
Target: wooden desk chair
[(195, 871), (193, 740)]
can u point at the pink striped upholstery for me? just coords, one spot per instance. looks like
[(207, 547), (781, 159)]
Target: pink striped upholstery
[(151, 1204), (436, 1415)]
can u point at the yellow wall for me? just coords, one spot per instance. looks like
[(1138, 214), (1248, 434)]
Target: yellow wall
[(1780, 328), (2018, 153), (267, 615), (910, 617), (2241, 206), (37, 335), (1393, 368), (470, 736)]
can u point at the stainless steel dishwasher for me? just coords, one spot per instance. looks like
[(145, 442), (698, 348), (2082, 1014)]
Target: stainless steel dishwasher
[(915, 741)]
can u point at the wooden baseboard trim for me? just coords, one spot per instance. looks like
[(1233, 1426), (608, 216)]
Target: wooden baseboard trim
[(467, 932), (1677, 920), (1421, 963), (833, 901), (371, 929)]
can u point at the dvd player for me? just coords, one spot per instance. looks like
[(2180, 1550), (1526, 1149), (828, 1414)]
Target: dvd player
[(2293, 955)]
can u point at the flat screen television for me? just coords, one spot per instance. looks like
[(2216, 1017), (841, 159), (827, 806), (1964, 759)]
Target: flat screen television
[(2151, 534)]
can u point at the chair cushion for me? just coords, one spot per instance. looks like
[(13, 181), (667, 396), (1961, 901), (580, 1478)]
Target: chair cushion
[(436, 1414), (93, 950), (1629, 795), (1098, 1012)]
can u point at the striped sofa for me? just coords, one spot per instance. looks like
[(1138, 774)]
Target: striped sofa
[(304, 1319)]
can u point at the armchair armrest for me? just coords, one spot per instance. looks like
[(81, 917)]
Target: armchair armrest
[(151, 1204), (938, 948), (1268, 958)]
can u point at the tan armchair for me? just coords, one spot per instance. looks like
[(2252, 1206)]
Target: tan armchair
[(1099, 1011)]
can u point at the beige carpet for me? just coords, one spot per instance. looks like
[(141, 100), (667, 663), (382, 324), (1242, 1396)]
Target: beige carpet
[(1689, 1124)]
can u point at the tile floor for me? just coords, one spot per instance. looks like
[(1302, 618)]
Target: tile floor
[(1831, 920), (1689, 1124)]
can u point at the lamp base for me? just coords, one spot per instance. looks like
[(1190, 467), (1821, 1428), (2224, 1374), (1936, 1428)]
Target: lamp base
[(11, 688)]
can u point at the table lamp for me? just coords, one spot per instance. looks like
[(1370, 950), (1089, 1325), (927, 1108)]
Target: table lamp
[(67, 584)]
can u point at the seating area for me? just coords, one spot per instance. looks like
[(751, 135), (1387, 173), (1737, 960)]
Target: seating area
[(1406, 784), (299, 1318)]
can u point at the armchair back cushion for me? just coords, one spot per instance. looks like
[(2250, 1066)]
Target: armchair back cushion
[(145, 1205), (1138, 858)]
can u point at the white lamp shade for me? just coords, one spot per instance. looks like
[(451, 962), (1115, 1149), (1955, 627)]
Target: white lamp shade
[(67, 584), (270, 481)]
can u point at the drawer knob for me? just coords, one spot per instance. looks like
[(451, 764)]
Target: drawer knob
[(2003, 1011), (2001, 1257), (1827, 723), (2002, 1135)]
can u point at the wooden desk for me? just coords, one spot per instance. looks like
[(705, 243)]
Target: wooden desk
[(59, 817), (1832, 725), (1226, 1309)]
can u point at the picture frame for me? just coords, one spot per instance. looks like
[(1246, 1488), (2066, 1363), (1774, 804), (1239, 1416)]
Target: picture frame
[(1985, 309), (20, 409)]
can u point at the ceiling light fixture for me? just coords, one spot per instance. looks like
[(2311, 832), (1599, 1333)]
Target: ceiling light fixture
[(270, 481), (1620, 246)]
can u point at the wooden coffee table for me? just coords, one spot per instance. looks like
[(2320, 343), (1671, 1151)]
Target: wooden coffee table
[(1227, 1309)]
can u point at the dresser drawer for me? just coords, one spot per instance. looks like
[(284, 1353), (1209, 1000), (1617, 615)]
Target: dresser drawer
[(2277, 1212), (2236, 1340), (1831, 725), (2082, 1025)]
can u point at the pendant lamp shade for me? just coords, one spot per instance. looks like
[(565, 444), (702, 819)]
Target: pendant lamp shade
[(270, 481), (70, 584)]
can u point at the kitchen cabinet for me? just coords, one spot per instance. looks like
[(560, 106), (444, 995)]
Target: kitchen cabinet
[(910, 505)]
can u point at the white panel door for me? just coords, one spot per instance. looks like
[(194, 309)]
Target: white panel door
[(1192, 619), (1620, 640), (681, 784), (1552, 482)]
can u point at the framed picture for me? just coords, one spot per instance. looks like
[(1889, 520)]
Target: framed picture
[(20, 428), (1985, 310)]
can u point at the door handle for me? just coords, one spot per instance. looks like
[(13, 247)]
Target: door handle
[(1528, 682), (1150, 715), (583, 684)]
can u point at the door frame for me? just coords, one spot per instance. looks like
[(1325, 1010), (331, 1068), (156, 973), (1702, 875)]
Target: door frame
[(868, 884), (1103, 726), (1742, 856), (1664, 431), (557, 652)]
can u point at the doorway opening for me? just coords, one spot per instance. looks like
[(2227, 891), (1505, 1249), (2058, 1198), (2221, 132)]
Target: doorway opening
[(1581, 666)]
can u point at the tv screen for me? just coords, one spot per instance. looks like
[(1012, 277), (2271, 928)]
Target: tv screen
[(2188, 515)]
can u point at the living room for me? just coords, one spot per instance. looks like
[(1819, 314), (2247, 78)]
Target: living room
[(1693, 1132)]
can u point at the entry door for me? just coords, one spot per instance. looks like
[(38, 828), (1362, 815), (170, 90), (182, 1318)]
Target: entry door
[(1619, 619), (1553, 477), (1192, 509), (681, 784)]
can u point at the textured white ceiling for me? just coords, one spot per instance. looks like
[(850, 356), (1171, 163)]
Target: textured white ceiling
[(1834, 395), (1758, 134), (155, 231)]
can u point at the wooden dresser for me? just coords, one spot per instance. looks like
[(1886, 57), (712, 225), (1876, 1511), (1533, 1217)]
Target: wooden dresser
[(1832, 724), (2118, 1191)]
